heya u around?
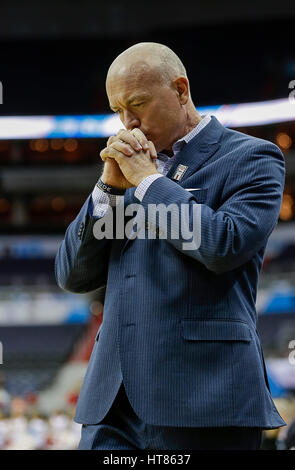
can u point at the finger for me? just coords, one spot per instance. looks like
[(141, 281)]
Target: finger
[(110, 152), (122, 147), (116, 138), (111, 140), (103, 154), (129, 138), (141, 138), (152, 149)]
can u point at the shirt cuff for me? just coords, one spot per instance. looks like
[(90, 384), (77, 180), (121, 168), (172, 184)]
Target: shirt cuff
[(101, 201), (144, 185)]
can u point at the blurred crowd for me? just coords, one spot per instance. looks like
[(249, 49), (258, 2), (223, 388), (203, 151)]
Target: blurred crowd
[(24, 427), (284, 437)]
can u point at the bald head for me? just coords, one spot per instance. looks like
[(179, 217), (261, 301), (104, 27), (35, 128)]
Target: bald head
[(157, 60), (148, 87)]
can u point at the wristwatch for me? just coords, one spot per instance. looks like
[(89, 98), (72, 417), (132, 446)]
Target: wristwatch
[(106, 188)]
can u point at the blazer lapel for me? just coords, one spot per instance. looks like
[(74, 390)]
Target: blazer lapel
[(196, 152)]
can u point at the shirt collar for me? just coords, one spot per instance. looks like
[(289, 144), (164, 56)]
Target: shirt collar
[(177, 146)]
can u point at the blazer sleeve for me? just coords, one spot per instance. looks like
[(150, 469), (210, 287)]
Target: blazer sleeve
[(232, 235), (81, 263)]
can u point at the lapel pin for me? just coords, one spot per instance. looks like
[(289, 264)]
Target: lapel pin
[(180, 170)]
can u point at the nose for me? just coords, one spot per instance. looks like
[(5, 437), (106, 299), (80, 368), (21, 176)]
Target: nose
[(130, 120)]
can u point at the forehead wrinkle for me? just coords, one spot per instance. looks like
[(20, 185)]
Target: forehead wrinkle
[(126, 89)]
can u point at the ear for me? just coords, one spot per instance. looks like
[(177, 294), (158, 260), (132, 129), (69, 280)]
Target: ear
[(182, 89)]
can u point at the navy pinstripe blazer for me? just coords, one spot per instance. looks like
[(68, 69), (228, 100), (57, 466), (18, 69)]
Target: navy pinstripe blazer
[(179, 326)]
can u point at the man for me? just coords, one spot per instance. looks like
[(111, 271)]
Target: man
[(177, 363)]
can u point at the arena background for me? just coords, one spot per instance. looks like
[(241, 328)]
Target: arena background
[(55, 119)]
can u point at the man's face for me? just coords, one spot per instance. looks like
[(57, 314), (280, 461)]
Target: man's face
[(143, 102)]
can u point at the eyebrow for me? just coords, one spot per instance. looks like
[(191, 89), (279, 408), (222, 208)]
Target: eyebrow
[(132, 99), (143, 96)]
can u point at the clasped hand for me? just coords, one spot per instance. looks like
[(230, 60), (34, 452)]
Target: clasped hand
[(129, 158)]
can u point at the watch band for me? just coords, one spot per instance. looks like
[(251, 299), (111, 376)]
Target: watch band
[(106, 188)]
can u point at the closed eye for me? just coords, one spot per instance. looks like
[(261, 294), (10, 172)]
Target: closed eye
[(134, 105)]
